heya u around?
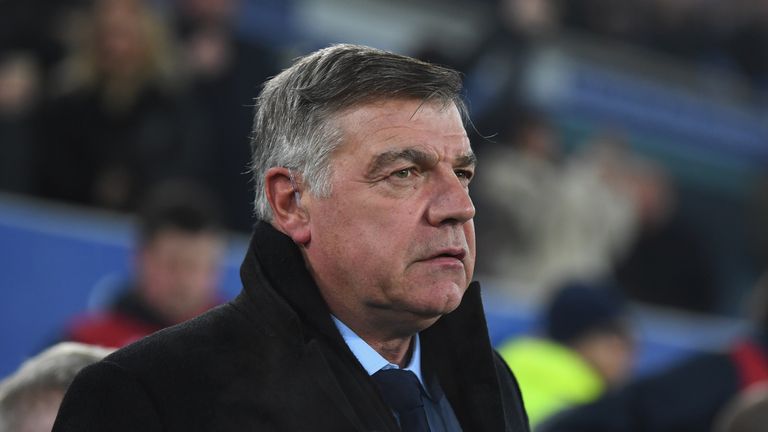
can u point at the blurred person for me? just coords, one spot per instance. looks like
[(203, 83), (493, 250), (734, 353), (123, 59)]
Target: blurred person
[(19, 83), (677, 27), (357, 311), (20, 88), (746, 41), (497, 66), (515, 192), (225, 70), (586, 349), (121, 121), (606, 18), (548, 218), (687, 396), (178, 261), (533, 18), (667, 263), (38, 28), (30, 397), (748, 412)]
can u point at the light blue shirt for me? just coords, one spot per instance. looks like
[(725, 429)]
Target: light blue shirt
[(371, 360), (440, 415)]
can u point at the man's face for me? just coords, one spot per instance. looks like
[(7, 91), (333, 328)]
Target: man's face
[(394, 244), (179, 272)]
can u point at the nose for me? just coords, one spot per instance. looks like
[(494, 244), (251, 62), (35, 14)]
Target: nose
[(450, 203)]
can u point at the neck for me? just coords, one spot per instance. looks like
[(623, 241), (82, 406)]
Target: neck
[(396, 351), (389, 332), (394, 346)]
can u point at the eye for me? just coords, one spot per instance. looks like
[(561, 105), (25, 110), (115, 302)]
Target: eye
[(403, 173), (404, 176), (464, 175)]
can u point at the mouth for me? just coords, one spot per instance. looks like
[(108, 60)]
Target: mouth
[(451, 254)]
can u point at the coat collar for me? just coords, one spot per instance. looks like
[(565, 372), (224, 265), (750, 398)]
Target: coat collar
[(278, 288), (274, 267), (456, 350)]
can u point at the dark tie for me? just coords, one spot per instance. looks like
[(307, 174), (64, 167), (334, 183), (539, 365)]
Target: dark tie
[(401, 391)]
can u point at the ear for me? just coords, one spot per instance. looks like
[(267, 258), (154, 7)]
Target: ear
[(284, 196)]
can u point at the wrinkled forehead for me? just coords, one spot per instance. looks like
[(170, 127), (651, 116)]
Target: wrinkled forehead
[(403, 122), (416, 105)]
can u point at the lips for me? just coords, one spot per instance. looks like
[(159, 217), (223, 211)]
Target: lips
[(448, 253)]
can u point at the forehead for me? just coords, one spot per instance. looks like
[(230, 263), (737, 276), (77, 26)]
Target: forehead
[(172, 239), (371, 128)]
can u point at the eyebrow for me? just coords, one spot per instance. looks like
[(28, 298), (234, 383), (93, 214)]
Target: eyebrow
[(466, 160), (386, 159), (415, 156)]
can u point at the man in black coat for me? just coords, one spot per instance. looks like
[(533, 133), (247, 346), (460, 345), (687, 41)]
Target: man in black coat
[(357, 293)]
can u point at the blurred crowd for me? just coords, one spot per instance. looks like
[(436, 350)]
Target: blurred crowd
[(101, 100), (718, 35), (604, 212), (145, 107)]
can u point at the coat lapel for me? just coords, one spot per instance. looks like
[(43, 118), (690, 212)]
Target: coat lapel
[(458, 349), (274, 272)]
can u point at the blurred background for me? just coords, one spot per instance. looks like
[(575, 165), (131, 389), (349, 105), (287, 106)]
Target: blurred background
[(618, 141)]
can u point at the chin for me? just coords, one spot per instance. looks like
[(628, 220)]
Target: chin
[(443, 299)]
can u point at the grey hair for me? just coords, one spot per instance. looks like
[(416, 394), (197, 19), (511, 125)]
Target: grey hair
[(50, 371), (294, 126)]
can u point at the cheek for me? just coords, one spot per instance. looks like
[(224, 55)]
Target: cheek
[(469, 234), (378, 247), (356, 220)]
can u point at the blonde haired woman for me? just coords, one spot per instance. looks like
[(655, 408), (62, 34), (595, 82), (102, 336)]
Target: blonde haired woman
[(121, 121)]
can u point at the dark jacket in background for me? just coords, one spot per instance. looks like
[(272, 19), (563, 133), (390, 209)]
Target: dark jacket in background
[(108, 157), (272, 359), (685, 398)]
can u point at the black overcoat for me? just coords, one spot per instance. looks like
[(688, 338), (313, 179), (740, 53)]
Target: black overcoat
[(273, 360)]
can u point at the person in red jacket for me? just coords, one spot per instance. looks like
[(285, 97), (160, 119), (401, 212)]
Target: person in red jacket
[(180, 247)]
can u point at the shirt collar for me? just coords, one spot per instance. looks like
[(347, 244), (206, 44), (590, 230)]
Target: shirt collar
[(371, 360)]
